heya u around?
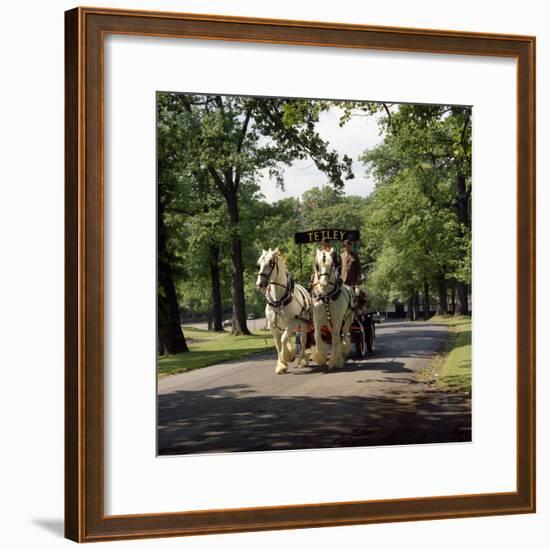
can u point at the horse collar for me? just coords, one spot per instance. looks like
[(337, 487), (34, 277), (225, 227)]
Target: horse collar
[(335, 293)]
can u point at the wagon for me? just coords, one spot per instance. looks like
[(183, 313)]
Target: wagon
[(362, 331)]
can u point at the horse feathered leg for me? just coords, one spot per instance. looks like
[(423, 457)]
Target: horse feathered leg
[(345, 346), (338, 355), (346, 326), (281, 366), (302, 359), (288, 347), (320, 349), (318, 356), (336, 360)]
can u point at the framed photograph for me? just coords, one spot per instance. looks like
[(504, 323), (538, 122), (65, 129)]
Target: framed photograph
[(300, 274)]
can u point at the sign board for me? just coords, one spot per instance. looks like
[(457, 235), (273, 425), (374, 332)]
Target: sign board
[(317, 235)]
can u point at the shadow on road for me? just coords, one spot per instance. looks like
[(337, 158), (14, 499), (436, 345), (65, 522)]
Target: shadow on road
[(389, 367), (231, 418)]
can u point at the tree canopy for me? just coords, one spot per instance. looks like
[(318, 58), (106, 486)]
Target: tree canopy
[(213, 219), (419, 223)]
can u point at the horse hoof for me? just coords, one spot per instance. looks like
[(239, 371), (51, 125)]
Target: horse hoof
[(281, 368), (321, 360)]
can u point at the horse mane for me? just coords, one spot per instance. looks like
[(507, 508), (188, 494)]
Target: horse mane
[(280, 254), (276, 253)]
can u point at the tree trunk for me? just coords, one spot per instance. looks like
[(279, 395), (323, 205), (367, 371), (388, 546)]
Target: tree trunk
[(410, 314), (442, 293), (170, 335), (463, 200), (169, 328), (463, 217), (237, 267), (160, 347), (453, 296), (462, 298), (216, 288), (426, 300), (415, 305)]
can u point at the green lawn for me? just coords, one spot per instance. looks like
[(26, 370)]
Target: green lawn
[(208, 348), (453, 368)]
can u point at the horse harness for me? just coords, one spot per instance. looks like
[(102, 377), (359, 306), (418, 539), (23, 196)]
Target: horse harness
[(333, 294)]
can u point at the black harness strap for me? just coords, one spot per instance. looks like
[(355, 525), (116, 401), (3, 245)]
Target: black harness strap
[(304, 307), (287, 296)]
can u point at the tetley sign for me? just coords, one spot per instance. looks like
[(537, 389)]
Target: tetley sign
[(317, 235)]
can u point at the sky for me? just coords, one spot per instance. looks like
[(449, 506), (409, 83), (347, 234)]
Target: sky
[(357, 135)]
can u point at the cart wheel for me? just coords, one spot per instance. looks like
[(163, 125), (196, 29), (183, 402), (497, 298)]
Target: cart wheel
[(369, 336)]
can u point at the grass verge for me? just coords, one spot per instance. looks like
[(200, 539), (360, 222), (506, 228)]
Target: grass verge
[(452, 369), (208, 348)]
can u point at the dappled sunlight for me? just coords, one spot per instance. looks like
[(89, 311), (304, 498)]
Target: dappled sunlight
[(375, 400), (230, 418)]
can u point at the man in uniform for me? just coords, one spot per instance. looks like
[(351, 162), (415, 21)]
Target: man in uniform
[(351, 268)]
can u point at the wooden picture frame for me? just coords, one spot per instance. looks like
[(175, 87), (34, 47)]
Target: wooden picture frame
[(85, 519)]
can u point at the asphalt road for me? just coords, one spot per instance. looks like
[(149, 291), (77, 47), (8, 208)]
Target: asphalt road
[(244, 406)]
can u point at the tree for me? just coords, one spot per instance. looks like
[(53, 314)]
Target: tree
[(170, 335), (194, 214), (421, 211), (233, 139), (415, 239), (205, 238)]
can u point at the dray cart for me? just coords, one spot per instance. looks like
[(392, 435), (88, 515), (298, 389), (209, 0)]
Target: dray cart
[(362, 331)]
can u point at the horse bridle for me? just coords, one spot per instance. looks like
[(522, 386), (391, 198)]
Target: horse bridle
[(272, 264), (334, 284), (287, 296)]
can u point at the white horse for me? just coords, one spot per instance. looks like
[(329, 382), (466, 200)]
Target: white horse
[(288, 306), (334, 307)]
